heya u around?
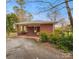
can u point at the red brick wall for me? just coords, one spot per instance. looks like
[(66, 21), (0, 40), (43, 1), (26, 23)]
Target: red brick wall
[(47, 28)]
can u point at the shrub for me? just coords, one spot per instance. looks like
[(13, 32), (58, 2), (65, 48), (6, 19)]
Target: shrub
[(66, 42), (53, 39), (63, 41), (58, 30), (43, 37)]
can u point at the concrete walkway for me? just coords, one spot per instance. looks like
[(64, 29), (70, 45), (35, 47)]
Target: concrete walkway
[(20, 48)]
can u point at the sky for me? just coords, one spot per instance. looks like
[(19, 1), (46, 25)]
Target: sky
[(34, 8)]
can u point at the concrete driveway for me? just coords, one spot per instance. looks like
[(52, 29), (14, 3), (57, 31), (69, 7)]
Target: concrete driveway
[(20, 48)]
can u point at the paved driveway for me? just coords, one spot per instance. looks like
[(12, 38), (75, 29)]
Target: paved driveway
[(20, 48)]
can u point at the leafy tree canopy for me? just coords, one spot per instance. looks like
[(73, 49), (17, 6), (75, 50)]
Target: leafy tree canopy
[(10, 20)]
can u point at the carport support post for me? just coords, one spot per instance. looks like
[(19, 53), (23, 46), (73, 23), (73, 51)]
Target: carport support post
[(17, 29), (22, 28)]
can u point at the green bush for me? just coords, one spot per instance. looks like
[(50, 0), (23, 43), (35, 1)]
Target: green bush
[(54, 39), (11, 19), (62, 41), (66, 42), (43, 37)]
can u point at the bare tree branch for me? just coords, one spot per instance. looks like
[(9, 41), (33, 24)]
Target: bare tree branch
[(49, 9), (41, 2)]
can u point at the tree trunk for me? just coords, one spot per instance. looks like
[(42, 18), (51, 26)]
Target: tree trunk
[(69, 13), (54, 23)]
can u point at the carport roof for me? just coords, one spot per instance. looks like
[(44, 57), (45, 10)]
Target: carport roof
[(26, 23)]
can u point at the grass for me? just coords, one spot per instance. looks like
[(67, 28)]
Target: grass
[(11, 34)]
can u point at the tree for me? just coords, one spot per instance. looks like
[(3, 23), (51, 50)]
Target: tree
[(21, 3), (53, 16), (10, 20), (15, 8), (69, 12), (51, 7), (21, 13), (28, 16)]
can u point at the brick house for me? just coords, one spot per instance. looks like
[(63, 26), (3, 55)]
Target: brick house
[(33, 28)]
